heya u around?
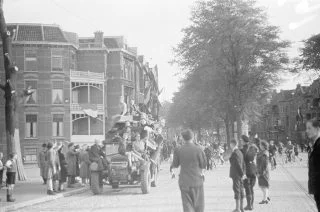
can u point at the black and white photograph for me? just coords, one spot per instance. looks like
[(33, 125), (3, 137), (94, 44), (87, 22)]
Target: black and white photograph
[(159, 106)]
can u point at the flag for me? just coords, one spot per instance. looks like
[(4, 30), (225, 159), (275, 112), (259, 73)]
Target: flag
[(300, 114), (147, 95)]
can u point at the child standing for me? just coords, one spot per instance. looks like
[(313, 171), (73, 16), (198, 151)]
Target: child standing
[(11, 166)]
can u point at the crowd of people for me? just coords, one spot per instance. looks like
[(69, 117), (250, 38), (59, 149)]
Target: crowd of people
[(249, 165), (61, 165)]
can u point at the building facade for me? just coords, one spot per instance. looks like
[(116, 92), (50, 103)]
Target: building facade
[(284, 118), (77, 84)]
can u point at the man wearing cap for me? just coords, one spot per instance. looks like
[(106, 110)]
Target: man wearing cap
[(192, 161), (71, 159)]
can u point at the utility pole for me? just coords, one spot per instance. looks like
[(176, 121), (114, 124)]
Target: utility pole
[(11, 96)]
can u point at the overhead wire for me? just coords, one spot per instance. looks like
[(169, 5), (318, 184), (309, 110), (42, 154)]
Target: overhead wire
[(87, 21)]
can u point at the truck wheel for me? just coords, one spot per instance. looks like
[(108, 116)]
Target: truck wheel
[(96, 188), (115, 185), (155, 178), (145, 181)]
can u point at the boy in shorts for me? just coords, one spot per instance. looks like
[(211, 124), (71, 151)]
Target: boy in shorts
[(11, 166)]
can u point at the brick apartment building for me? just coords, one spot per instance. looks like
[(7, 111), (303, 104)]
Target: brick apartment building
[(77, 84), (285, 116)]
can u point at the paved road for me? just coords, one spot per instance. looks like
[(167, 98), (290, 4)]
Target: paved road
[(286, 195)]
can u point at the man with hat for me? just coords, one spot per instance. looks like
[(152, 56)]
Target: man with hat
[(71, 158), (249, 152)]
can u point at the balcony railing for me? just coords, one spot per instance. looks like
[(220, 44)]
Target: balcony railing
[(86, 75), (90, 45), (81, 107)]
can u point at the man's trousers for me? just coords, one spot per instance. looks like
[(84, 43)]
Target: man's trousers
[(192, 198)]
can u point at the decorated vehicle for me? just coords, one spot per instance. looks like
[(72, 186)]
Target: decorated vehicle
[(130, 155)]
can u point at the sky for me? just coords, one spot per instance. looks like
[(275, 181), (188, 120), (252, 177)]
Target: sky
[(155, 26)]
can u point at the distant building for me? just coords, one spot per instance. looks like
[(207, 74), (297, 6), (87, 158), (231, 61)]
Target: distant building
[(77, 84), (285, 116)]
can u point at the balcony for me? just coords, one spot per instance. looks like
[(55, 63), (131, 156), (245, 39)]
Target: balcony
[(91, 45), (86, 76), (84, 106)]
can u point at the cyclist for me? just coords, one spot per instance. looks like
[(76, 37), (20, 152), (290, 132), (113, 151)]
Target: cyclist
[(289, 151)]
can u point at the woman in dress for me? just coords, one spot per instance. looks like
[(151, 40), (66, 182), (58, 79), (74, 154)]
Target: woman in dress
[(84, 165), (63, 171), (263, 171)]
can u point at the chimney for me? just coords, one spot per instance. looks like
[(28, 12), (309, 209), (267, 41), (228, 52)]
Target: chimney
[(98, 38)]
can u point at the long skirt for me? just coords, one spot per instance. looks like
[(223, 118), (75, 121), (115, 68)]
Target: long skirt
[(84, 170)]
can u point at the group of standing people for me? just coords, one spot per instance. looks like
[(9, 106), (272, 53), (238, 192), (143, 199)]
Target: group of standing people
[(60, 164), (246, 166)]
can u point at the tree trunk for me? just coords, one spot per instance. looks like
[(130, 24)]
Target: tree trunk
[(12, 132), (218, 132), (227, 124), (239, 128)]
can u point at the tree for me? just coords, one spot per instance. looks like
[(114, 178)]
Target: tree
[(189, 108), (12, 97), (239, 54), (310, 54), (164, 109)]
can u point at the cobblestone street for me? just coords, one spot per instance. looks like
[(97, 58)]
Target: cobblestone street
[(287, 195)]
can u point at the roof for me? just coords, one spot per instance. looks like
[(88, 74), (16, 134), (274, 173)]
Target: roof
[(39, 32), (111, 43)]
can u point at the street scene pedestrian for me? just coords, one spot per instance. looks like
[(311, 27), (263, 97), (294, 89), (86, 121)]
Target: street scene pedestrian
[(237, 174), (84, 165), (263, 171), (11, 171), (42, 163), (249, 151), (71, 159), (51, 168), (192, 161), (313, 132)]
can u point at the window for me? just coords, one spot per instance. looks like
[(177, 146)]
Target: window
[(73, 61), (30, 155), (32, 85), (128, 69), (57, 125), (56, 60), (31, 126), (30, 60), (57, 92)]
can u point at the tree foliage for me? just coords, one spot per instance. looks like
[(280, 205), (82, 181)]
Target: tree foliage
[(231, 56), (310, 54)]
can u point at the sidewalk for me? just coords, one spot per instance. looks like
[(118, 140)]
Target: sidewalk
[(32, 191)]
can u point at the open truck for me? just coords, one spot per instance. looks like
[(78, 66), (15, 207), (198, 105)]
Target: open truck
[(132, 168)]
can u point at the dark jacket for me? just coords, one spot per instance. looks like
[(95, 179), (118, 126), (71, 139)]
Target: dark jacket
[(249, 153), (192, 161), (237, 165), (262, 164), (314, 169), (63, 165)]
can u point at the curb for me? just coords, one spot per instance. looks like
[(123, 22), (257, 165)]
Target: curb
[(42, 200)]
